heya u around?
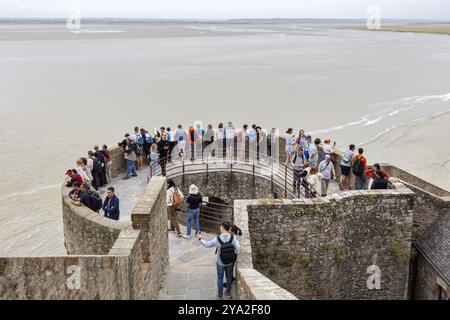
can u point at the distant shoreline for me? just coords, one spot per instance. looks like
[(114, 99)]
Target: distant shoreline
[(443, 29)]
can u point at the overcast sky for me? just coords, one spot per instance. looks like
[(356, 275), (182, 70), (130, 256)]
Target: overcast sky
[(224, 9)]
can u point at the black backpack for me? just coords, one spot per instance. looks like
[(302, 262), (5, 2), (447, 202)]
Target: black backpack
[(97, 165), (357, 168), (227, 251), (96, 201)]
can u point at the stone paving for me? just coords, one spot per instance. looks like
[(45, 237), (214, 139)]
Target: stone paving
[(129, 192), (192, 270)]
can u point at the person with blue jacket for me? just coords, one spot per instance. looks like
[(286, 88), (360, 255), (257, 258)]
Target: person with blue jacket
[(111, 205)]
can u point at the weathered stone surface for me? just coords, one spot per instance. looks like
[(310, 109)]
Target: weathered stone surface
[(322, 250)]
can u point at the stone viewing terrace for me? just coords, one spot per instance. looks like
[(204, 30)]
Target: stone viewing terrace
[(293, 246)]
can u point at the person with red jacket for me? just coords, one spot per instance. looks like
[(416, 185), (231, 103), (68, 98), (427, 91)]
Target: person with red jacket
[(74, 176), (378, 177), (192, 136), (376, 171)]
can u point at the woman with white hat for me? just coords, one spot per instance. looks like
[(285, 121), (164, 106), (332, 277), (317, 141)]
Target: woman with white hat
[(194, 201)]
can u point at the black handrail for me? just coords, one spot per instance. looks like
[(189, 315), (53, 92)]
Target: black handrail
[(284, 174)]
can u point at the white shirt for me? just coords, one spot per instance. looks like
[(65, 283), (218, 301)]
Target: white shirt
[(135, 136)]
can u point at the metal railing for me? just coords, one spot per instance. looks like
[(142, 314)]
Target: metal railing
[(212, 214), (280, 175)]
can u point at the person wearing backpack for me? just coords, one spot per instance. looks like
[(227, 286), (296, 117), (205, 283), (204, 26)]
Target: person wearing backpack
[(174, 198), (227, 249), (194, 201), (101, 158), (346, 165), (359, 170), (130, 156), (91, 198), (96, 170), (145, 148)]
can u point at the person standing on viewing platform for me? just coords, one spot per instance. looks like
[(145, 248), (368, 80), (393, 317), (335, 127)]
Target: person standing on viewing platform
[(297, 168), (327, 149), (290, 145), (359, 170), (301, 138), (242, 137), (260, 139), (101, 158), (147, 141), (111, 206), (229, 140), (130, 156), (173, 200), (163, 150), (194, 201), (346, 165), (96, 170), (314, 153), (252, 139), (306, 144), (315, 182), (227, 247), (192, 138), (326, 168), (208, 138), (156, 136), (83, 170), (108, 164), (180, 138), (138, 139), (123, 144), (172, 143), (273, 140), (154, 157)]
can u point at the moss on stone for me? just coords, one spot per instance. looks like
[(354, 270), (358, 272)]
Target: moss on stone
[(399, 251)]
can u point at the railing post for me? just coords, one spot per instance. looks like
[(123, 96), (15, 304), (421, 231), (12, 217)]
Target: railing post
[(182, 176), (285, 181), (271, 180), (253, 172)]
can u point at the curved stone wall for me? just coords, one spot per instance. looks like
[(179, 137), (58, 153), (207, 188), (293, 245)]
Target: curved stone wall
[(87, 232)]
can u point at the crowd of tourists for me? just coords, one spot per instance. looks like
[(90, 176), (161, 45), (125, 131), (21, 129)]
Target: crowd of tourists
[(315, 174), (90, 174), (158, 147)]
